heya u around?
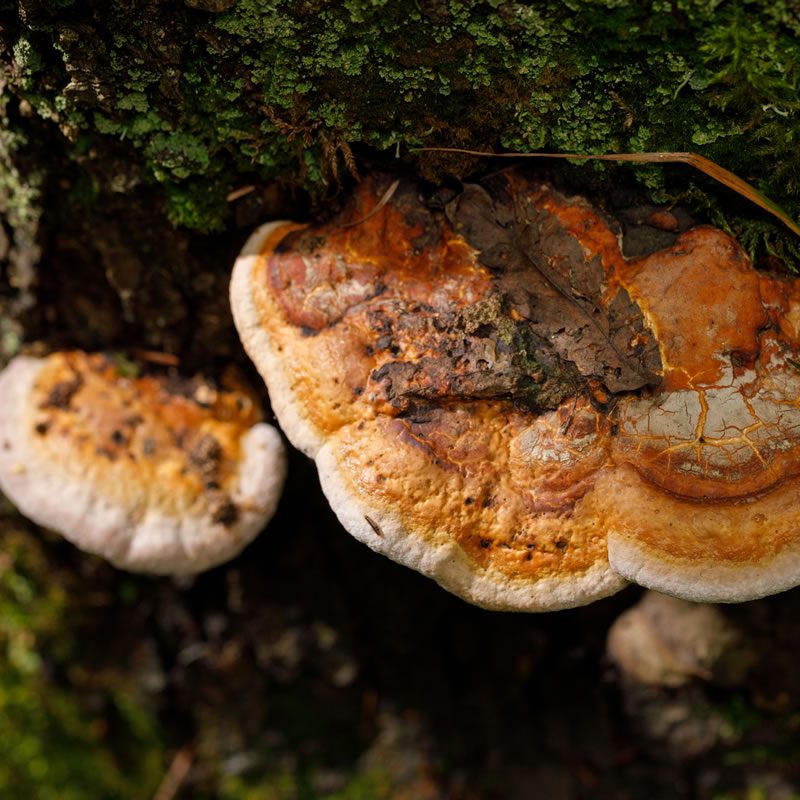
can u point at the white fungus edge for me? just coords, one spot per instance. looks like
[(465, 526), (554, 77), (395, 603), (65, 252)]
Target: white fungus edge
[(704, 581)]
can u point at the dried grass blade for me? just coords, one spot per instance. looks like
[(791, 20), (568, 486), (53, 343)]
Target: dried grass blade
[(705, 165), (387, 196)]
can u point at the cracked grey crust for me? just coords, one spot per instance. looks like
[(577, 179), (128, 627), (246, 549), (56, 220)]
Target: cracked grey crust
[(743, 543), (148, 521)]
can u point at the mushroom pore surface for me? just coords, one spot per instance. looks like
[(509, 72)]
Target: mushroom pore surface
[(497, 397)]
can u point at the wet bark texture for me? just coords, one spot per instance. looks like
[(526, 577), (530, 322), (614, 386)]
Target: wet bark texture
[(311, 667)]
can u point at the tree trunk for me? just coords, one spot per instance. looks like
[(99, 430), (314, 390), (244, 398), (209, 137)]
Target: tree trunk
[(140, 142)]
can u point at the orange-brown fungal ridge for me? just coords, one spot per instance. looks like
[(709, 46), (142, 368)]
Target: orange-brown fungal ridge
[(156, 473), (496, 396)]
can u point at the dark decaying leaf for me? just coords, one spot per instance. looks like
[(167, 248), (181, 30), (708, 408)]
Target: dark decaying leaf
[(705, 165), (534, 330), (544, 278), (477, 354)]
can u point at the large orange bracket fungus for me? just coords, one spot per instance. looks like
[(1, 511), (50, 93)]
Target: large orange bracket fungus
[(498, 398)]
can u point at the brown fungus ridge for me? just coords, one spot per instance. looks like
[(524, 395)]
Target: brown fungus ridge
[(472, 475), (701, 297), (526, 415), (402, 251)]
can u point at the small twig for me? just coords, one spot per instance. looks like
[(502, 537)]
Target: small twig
[(240, 192), (374, 525), (705, 165), (387, 196), (156, 357), (568, 423), (176, 774)]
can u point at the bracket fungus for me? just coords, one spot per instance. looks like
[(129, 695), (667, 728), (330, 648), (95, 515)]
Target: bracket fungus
[(497, 397), (155, 473)]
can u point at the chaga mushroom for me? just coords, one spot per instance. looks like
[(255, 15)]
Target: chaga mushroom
[(496, 397), (156, 473)]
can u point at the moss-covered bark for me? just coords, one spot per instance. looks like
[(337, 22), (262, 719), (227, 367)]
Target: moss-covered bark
[(201, 96), (124, 126)]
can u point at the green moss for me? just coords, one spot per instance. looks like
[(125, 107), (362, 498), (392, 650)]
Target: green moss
[(19, 193), (278, 88), (177, 156), (26, 58), (53, 743), (370, 785), (192, 205)]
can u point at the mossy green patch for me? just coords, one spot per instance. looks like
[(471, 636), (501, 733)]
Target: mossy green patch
[(281, 89), (19, 193), (60, 740)]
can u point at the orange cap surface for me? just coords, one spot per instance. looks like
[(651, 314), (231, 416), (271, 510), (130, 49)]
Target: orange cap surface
[(500, 399)]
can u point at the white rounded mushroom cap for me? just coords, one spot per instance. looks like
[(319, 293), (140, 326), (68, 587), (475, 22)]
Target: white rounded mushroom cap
[(138, 471)]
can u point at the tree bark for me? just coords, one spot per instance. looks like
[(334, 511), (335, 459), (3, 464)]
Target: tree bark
[(140, 141)]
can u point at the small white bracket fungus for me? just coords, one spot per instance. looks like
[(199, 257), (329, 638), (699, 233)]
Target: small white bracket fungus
[(665, 641), (156, 474)]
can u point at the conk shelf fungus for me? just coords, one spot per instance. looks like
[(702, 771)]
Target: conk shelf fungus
[(497, 397), (156, 473)]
